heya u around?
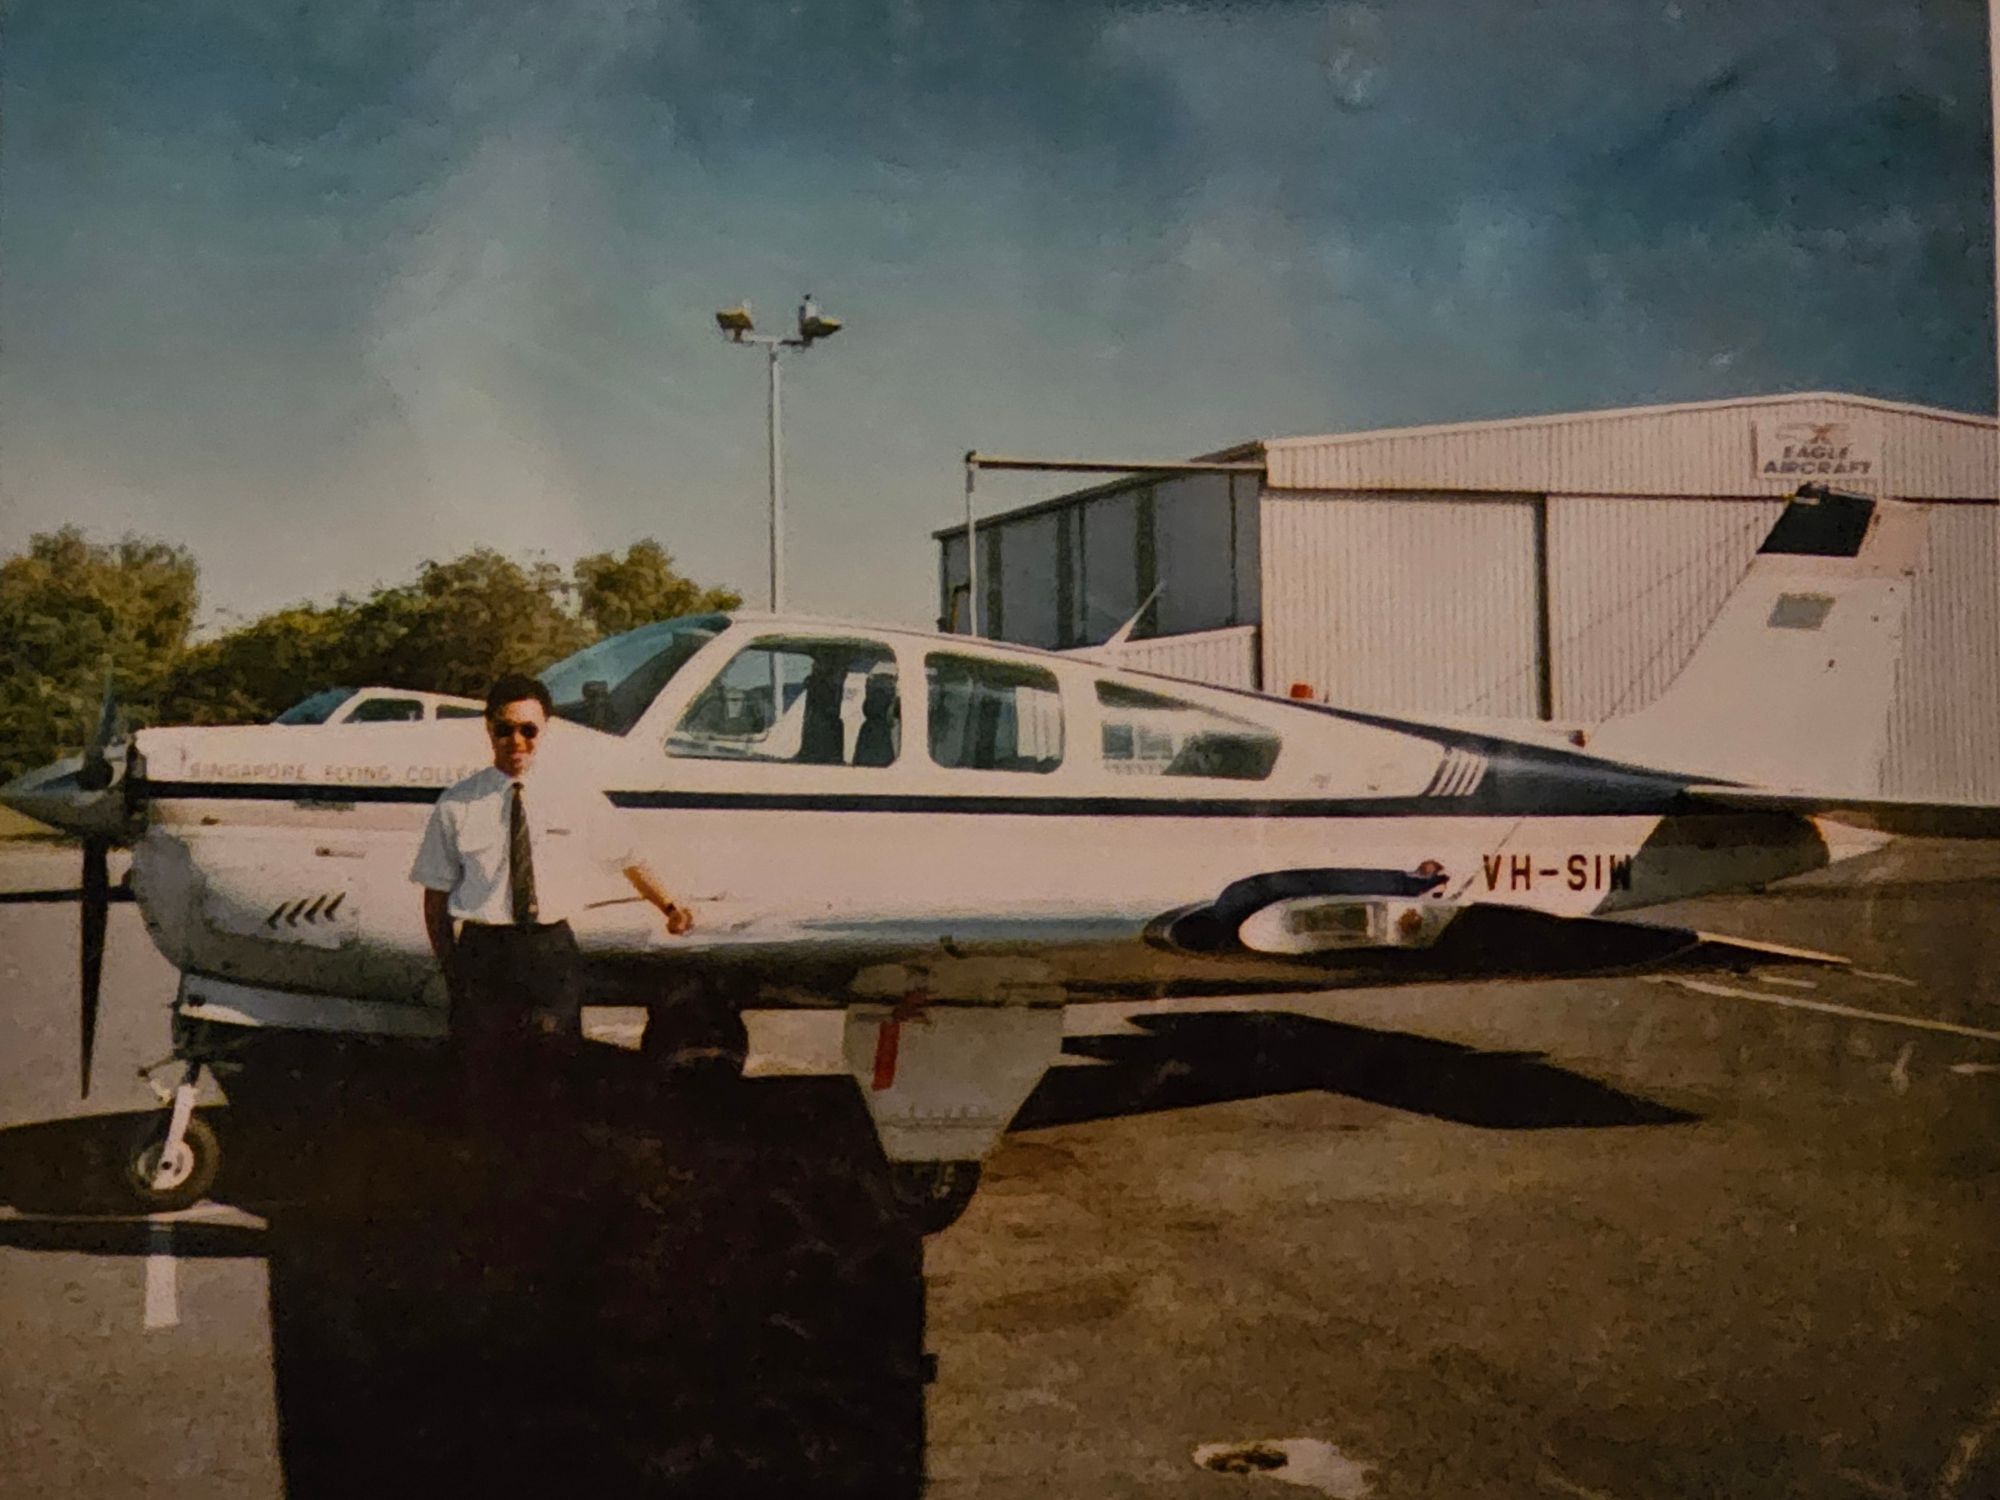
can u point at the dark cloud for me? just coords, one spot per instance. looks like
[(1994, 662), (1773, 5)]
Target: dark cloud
[(447, 267)]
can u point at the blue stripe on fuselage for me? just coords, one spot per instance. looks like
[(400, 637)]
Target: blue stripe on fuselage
[(1511, 788)]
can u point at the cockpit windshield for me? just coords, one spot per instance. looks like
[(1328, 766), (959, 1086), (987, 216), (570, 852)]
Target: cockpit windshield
[(610, 685)]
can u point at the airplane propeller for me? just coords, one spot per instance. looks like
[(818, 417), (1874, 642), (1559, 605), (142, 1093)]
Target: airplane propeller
[(94, 773)]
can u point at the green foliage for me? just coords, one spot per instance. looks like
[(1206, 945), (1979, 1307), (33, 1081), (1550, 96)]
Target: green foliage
[(453, 629), (620, 594), (71, 608)]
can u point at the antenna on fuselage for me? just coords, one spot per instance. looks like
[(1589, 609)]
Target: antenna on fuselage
[(1123, 633)]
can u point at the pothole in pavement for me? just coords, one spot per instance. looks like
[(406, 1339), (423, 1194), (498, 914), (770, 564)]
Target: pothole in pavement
[(1306, 1462)]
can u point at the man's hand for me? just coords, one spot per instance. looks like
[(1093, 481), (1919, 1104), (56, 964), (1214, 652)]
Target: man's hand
[(678, 918)]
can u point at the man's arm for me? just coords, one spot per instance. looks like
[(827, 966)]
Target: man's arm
[(437, 926), (679, 918)]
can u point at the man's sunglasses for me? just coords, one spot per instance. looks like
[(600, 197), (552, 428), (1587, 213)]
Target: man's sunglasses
[(502, 729)]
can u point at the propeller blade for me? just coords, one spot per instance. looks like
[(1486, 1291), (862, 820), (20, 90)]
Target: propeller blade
[(95, 774), (92, 915), (74, 893)]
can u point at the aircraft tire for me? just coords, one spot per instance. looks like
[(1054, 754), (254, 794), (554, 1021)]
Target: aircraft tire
[(697, 1037), (933, 1195), (191, 1176)]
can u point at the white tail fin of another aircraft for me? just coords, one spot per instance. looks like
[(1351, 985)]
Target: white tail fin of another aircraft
[(1790, 688)]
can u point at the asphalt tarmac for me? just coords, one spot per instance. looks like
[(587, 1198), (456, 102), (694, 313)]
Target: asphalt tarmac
[(1733, 1235)]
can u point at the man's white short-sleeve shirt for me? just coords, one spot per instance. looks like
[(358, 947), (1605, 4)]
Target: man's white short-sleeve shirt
[(576, 836)]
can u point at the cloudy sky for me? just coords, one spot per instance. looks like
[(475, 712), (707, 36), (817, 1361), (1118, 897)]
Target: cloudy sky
[(324, 287)]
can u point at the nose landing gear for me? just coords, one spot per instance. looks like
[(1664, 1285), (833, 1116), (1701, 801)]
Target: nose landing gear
[(172, 1161)]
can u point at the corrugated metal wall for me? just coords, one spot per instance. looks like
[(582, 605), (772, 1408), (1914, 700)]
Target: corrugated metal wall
[(1028, 567), (1412, 603), (1700, 449), (1944, 739), (1633, 586), (1227, 658)]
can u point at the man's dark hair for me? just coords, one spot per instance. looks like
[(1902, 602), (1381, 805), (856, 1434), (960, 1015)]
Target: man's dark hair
[(514, 687)]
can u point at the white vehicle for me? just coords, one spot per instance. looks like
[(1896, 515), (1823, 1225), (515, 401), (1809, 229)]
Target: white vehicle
[(950, 839), (378, 705)]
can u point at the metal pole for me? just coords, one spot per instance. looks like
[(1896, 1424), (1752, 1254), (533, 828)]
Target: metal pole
[(973, 553), (777, 491), (1993, 87)]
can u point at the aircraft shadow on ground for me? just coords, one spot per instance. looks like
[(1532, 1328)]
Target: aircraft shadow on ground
[(1175, 1061), (690, 1288), (702, 1291)]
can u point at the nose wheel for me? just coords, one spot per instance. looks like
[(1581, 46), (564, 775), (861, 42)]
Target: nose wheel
[(172, 1160), (164, 1174)]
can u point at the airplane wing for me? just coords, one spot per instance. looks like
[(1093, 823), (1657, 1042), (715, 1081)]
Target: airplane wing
[(1902, 816), (1046, 957)]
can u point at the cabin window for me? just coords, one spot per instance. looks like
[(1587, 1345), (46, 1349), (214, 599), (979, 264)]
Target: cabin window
[(1150, 734), (806, 702), (990, 715), (386, 711), (459, 711)]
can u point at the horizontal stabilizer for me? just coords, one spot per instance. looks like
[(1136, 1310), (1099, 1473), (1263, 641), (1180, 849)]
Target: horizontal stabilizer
[(1905, 817)]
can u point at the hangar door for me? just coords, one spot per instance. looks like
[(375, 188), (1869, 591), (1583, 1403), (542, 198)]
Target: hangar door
[(1411, 603)]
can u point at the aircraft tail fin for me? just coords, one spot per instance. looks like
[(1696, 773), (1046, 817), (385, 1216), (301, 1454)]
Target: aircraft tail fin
[(1790, 688)]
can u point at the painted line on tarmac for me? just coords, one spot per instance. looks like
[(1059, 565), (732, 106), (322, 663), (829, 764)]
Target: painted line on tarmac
[(163, 1293), (1828, 1007), (1903, 979)]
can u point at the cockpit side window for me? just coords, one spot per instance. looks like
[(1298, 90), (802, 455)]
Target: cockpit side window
[(1150, 734), (990, 715), (807, 702)]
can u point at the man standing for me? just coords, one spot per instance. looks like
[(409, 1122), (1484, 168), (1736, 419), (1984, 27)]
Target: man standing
[(510, 857)]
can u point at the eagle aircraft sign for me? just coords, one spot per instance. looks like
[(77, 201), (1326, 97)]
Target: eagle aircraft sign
[(1796, 451)]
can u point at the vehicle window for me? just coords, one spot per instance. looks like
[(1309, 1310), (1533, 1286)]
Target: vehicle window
[(1150, 734), (317, 709), (809, 702), (459, 711), (993, 715), (610, 685), (386, 711)]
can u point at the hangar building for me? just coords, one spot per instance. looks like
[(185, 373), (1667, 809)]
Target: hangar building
[(1556, 567)]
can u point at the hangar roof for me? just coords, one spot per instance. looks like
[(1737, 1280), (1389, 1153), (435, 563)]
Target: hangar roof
[(1734, 447)]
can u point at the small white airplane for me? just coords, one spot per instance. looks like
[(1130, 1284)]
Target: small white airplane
[(951, 839), (378, 705)]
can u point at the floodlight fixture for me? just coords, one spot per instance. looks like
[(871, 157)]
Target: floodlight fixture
[(813, 325)]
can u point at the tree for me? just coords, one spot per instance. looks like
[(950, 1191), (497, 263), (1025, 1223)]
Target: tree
[(618, 594), (465, 622), (453, 629), (71, 609), (258, 670)]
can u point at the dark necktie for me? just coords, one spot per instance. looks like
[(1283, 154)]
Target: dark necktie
[(520, 862)]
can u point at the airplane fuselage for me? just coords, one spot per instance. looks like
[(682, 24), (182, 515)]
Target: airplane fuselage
[(279, 857)]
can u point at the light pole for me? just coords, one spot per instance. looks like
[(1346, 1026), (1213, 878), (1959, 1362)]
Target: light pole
[(736, 326)]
